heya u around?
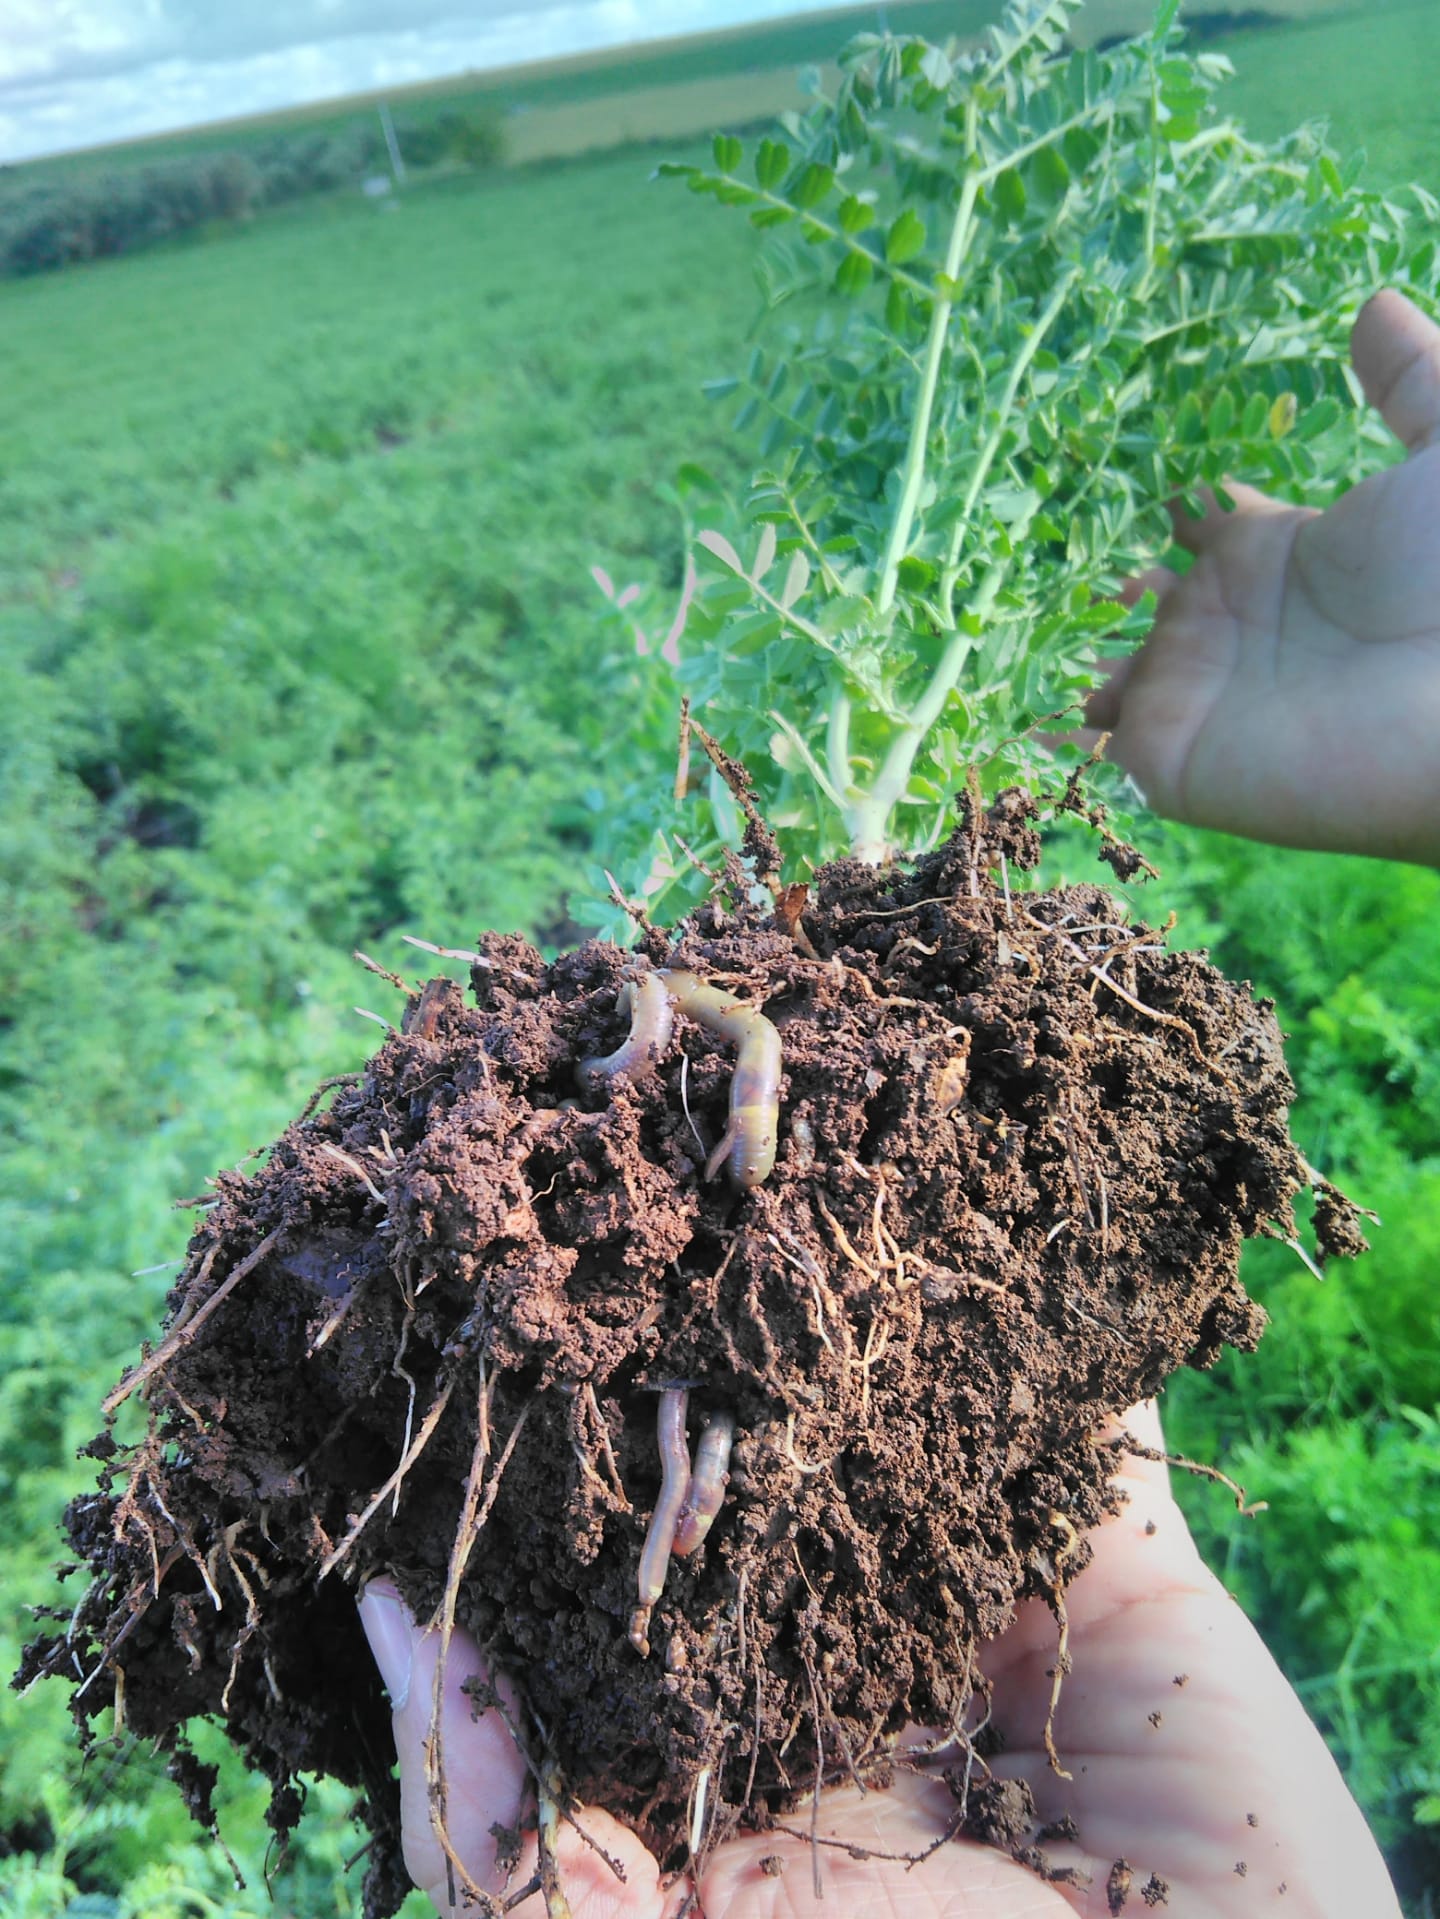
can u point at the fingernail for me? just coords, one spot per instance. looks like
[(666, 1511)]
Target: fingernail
[(391, 1633)]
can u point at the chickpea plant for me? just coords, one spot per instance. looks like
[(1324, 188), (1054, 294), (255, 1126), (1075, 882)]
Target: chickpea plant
[(1040, 292), (763, 1461)]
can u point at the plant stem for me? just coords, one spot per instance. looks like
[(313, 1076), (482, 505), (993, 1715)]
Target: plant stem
[(914, 474), (1152, 197), (869, 815), (991, 448), (837, 741)]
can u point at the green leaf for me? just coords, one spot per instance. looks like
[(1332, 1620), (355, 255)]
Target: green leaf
[(797, 578), (854, 273), (1010, 195), (752, 635), (728, 152), (810, 185), (1318, 419), (694, 478), (1221, 417), (1255, 416), (772, 163), (906, 239), (717, 545), (1190, 422), (855, 215), (1050, 174), (936, 69)]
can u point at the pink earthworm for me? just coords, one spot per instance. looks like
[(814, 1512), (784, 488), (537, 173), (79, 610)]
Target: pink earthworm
[(749, 1140), (659, 1540), (649, 1003), (706, 1492)]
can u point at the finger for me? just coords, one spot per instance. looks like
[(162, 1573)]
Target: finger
[(484, 1774), (1396, 351), (1197, 534)]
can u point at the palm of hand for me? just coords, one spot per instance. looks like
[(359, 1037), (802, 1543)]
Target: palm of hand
[(1290, 688), (1171, 1795)]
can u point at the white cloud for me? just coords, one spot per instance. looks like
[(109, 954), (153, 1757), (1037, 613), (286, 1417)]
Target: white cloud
[(88, 72)]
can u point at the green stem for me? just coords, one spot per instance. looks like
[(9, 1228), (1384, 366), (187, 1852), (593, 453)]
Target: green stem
[(837, 741), (1152, 198), (991, 448), (913, 477), (869, 815)]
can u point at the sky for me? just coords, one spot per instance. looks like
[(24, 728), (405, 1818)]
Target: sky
[(79, 73)]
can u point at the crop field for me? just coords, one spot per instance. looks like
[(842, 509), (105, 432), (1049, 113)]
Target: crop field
[(300, 651)]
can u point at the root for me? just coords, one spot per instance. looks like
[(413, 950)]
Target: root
[(354, 1166), (547, 1826), (185, 1332), (392, 1484), (325, 1086), (1097, 971), (1125, 1444), (474, 1512), (1070, 1543)]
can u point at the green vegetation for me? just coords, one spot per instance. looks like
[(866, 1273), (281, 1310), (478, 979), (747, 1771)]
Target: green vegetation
[(55, 217), (299, 649)]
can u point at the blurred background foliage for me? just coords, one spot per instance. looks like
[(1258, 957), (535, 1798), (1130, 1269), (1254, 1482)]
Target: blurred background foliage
[(300, 649)]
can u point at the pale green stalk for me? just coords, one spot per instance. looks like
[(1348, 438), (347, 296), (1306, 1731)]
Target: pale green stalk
[(868, 816), (913, 477)]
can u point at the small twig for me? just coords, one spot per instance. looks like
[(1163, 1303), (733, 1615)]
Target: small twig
[(682, 760), (183, 1335), (760, 841), (382, 972), (634, 908)]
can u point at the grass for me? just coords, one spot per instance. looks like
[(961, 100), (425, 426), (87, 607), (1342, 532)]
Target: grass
[(299, 649)]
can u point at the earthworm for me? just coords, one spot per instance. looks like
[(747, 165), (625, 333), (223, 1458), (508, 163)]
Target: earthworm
[(748, 1142), (674, 1485), (708, 1481), (649, 1003)]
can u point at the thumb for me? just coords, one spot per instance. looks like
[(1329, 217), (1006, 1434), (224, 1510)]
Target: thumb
[(484, 1774), (1396, 351)]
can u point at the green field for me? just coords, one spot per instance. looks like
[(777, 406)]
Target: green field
[(299, 650)]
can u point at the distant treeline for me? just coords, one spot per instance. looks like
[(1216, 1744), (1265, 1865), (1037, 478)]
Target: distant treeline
[(49, 220)]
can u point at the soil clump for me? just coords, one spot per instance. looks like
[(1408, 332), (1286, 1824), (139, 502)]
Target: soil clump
[(1020, 1144)]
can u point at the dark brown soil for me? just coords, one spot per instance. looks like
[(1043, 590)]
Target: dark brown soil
[(1020, 1145)]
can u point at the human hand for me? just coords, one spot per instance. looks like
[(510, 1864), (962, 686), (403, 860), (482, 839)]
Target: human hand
[(1229, 1771), (1290, 686)]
